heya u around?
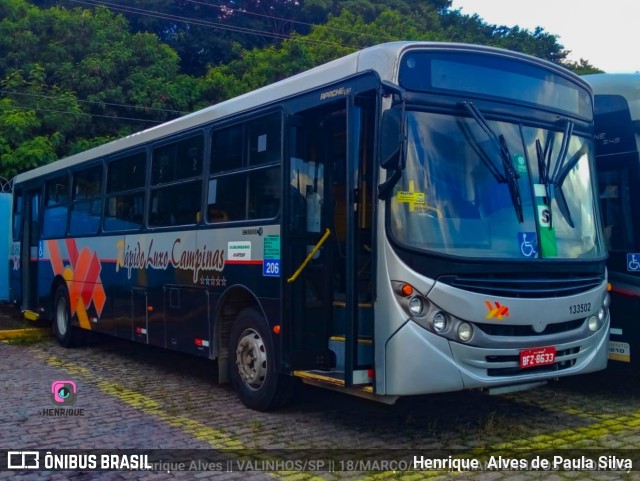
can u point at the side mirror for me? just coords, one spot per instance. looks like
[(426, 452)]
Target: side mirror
[(391, 139), (391, 149)]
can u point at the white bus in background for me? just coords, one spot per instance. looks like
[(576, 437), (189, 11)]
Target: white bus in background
[(617, 135)]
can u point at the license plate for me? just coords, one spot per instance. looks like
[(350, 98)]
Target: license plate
[(539, 356)]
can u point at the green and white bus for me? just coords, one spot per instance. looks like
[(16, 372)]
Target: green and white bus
[(617, 134), (412, 218)]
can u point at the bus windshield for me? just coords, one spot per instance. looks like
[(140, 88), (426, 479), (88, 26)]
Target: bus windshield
[(525, 193)]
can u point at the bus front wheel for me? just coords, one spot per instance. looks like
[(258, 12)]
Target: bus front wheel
[(253, 373), (62, 328)]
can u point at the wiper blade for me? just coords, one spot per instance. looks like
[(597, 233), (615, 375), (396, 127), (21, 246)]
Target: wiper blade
[(512, 179), (564, 148), (510, 176), (562, 204), (486, 160), (561, 171), (542, 165), (557, 184), (543, 169), (562, 175)]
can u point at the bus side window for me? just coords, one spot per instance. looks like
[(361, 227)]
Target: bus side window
[(216, 214), (56, 207), (616, 205), (264, 193)]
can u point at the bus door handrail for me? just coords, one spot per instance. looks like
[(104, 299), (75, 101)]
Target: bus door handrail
[(322, 240)]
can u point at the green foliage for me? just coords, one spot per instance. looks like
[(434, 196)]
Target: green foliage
[(338, 37), (72, 78), (349, 32), (33, 121), (582, 67), (472, 29), (74, 75)]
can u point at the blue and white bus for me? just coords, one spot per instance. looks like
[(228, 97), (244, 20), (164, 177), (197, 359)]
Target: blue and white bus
[(412, 218), (617, 134)]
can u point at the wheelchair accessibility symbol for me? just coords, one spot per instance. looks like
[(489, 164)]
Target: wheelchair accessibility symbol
[(633, 264), (528, 242)]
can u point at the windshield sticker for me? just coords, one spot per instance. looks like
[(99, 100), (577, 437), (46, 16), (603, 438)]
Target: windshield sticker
[(548, 242), (411, 197), (528, 244), (520, 163), (496, 311), (544, 216), (633, 264)]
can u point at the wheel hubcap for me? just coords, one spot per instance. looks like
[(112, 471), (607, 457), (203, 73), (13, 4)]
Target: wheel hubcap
[(61, 317), (251, 359)]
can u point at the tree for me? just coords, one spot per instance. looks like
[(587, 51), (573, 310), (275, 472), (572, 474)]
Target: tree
[(77, 77), (32, 121), (582, 67), (339, 36), (472, 29), (204, 33), (74, 77), (348, 32)]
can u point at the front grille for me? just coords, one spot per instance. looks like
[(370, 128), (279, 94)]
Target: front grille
[(508, 330), (525, 285), (515, 370)]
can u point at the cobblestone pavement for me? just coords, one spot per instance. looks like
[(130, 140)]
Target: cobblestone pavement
[(136, 396)]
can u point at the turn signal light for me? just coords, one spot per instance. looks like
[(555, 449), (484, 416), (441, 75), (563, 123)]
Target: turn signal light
[(406, 290)]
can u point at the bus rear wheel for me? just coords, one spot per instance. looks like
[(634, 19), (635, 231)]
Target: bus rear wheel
[(253, 373), (62, 328)]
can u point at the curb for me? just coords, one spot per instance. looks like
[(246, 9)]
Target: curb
[(26, 333)]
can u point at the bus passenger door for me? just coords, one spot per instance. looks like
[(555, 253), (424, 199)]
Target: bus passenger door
[(306, 281), (30, 249), (330, 324)]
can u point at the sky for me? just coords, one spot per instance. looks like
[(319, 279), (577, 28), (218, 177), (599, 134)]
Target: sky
[(604, 33)]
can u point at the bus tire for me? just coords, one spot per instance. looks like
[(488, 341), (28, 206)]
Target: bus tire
[(252, 364), (63, 330)]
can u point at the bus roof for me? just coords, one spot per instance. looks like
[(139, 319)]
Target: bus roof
[(381, 58), (625, 84)]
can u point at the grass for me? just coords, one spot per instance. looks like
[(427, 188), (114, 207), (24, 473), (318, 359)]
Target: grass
[(26, 338)]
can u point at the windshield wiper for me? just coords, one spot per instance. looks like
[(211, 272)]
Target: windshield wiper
[(561, 170), (510, 176), (543, 169)]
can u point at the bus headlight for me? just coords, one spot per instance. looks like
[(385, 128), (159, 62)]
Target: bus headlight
[(601, 315), (607, 300), (592, 322), (416, 306), (439, 322), (465, 331)]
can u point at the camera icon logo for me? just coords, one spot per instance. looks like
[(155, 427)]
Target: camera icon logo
[(63, 392)]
